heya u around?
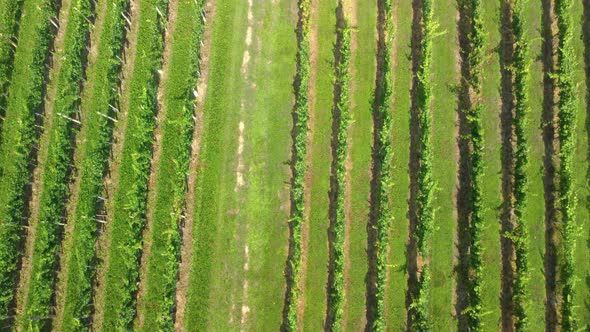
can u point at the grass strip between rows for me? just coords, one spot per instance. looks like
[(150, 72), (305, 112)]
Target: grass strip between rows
[(130, 203), (55, 187), (20, 137), (102, 103), (171, 183)]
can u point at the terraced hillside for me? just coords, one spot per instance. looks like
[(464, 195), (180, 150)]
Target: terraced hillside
[(294, 165)]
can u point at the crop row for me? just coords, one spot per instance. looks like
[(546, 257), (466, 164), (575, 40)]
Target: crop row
[(20, 138), (425, 182), (299, 167), (103, 98), (342, 115), (567, 148), (9, 20), (520, 235), (130, 201), (383, 158), (56, 169), (473, 114), (171, 183)]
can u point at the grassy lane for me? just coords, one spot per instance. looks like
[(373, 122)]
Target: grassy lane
[(178, 96), (491, 180), (20, 137), (444, 75), (586, 36), (536, 205), (363, 18), (580, 171), (214, 223), (56, 169), (316, 276), (10, 11), (131, 194), (396, 302), (267, 147), (241, 196)]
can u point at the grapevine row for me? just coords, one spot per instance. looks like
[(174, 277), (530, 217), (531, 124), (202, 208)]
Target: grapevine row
[(567, 148), (342, 115), (299, 167), (520, 235), (383, 154), (425, 209), (55, 190), (9, 20), (171, 182), (20, 138), (475, 136), (103, 98), (130, 203)]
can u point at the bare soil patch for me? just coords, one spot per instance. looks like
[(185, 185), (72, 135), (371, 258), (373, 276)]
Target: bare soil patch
[(548, 34)]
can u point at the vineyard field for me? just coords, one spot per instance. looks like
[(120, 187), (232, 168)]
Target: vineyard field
[(295, 165)]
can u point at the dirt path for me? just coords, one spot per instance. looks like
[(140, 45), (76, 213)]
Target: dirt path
[(157, 152), (187, 227), (61, 284), (23, 285), (549, 131), (508, 146), (112, 180)]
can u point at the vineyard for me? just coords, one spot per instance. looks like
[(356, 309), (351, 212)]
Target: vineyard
[(294, 165)]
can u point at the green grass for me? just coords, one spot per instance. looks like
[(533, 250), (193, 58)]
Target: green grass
[(94, 151), (215, 179), (265, 203), (398, 277), (20, 138), (170, 186), (256, 215), (362, 85), (491, 181), (580, 171), (316, 275), (444, 75), (130, 200), (535, 214), (56, 169)]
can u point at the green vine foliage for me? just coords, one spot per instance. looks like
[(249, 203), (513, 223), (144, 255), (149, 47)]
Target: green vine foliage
[(342, 113), (20, 138), (299, 167), (520, 235), (567, 148), (426, 185), (384, 155), (130, 199), (9, 19), (56, 171), (81, 264)]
